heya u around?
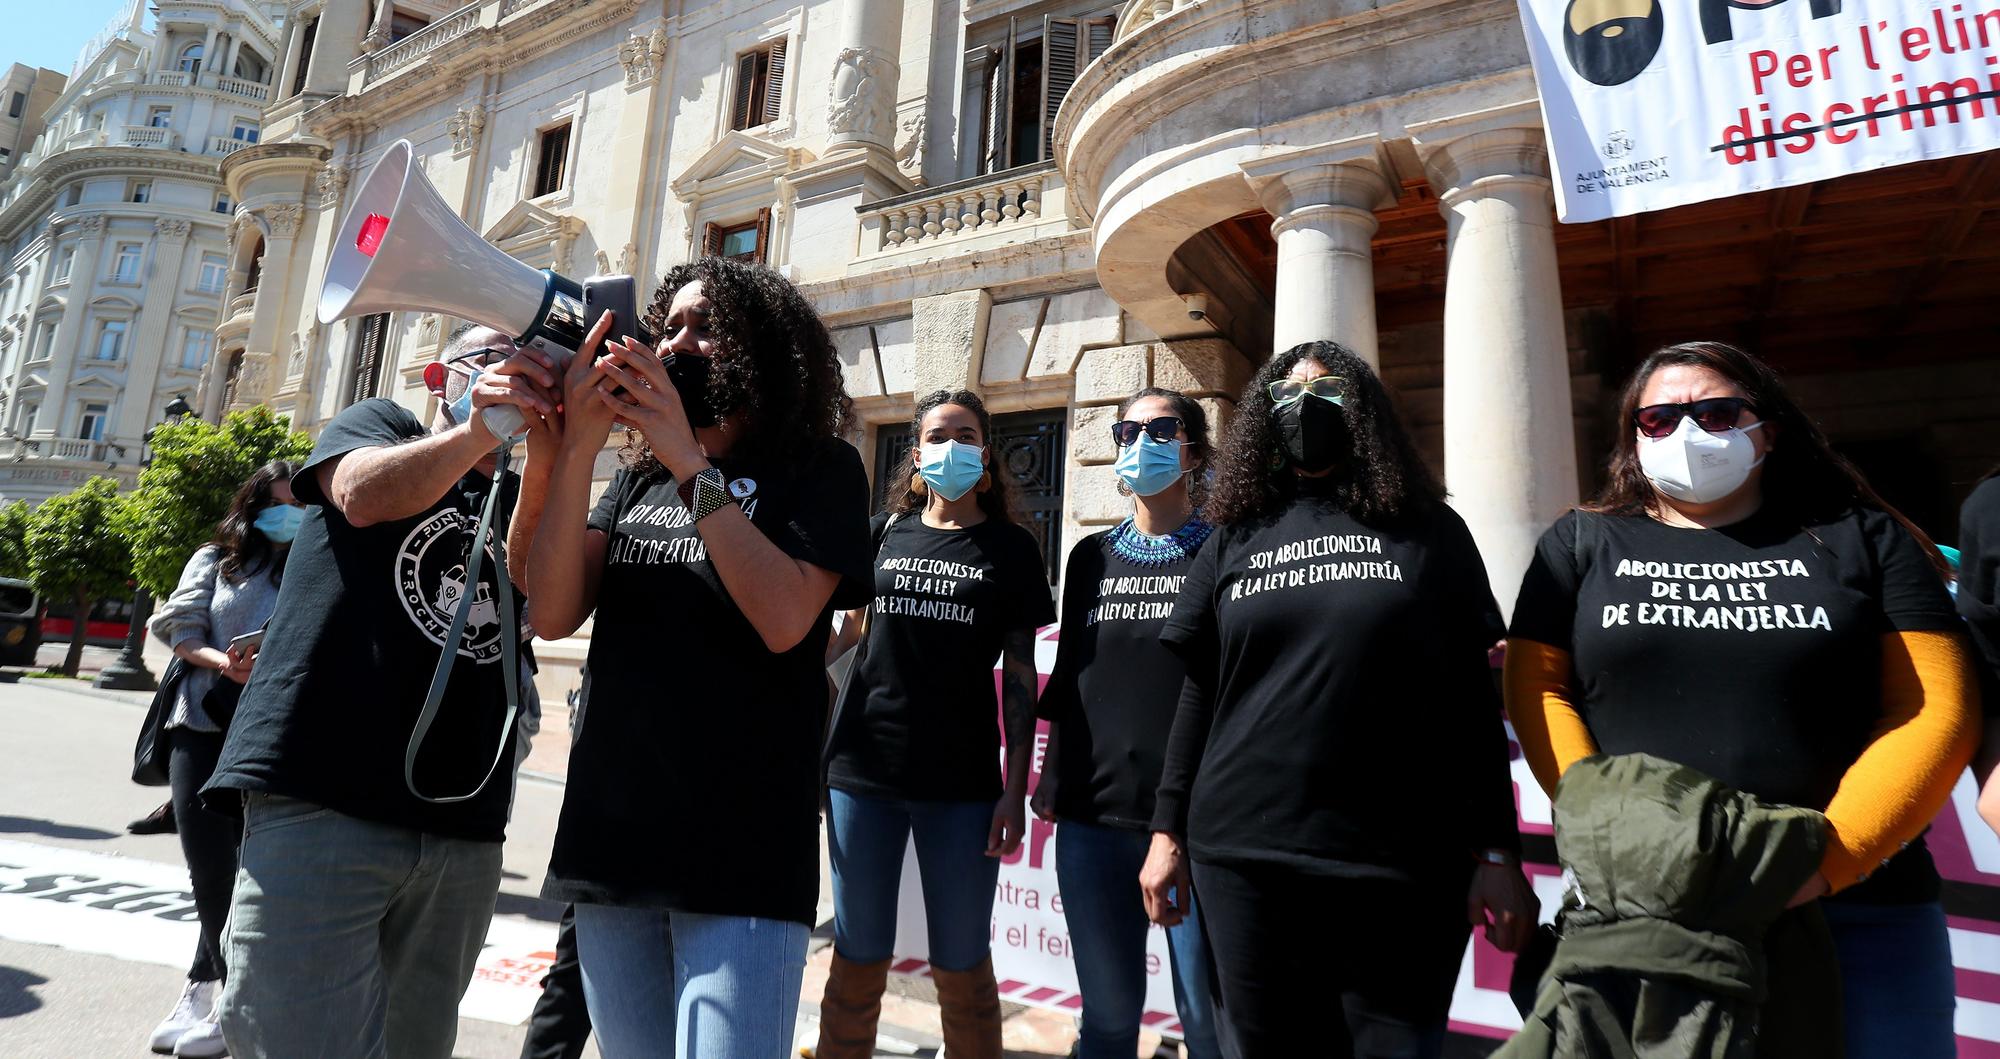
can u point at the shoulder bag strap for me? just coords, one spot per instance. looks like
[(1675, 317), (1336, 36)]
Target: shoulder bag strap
[(509, 647)]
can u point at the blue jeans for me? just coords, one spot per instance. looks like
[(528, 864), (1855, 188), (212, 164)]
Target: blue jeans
[(687, 986), (865, 838), (1897, 983), (350, 938), (1098, 870)]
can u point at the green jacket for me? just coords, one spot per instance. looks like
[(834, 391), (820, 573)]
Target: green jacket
[(1675, 939)]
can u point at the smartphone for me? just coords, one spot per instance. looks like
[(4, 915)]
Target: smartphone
[(248, 643), (619, 295)]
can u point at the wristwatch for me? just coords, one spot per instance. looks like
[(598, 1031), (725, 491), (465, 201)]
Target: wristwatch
[(705, 493)]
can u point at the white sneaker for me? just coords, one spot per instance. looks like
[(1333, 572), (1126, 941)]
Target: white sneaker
[(197, 1002), (203, 1040)]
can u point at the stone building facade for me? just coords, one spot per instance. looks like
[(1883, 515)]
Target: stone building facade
[(1056, 202), (113, 230), (26, 94)]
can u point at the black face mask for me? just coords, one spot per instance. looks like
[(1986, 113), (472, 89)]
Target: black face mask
[(689, 374), (1314, 433)]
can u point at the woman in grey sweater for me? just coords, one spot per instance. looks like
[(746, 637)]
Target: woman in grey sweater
[(229, 588)]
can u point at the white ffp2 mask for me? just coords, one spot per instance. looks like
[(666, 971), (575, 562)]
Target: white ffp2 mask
[(1697, 467)]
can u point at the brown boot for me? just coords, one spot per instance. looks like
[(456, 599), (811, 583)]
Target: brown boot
[(969, 1003), (850, 1008)]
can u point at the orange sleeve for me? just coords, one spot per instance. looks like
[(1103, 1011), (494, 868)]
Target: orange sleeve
[(1929, 729), (1552, 734)]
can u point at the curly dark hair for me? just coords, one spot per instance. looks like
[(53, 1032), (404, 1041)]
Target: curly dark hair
[(1804, 478), (997, 498), (1194, 427), (775, 359), (1382, 480), (244, 550)]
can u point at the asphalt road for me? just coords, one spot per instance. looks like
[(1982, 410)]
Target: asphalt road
[(65, 793)]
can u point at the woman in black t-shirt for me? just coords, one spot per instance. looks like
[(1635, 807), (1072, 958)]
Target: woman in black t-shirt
[(1738, 600), (1337, 771), (914, 753), (689, 833), (1109, 703)]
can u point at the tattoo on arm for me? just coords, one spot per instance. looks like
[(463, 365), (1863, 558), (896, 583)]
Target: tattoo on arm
[(1017, 687)]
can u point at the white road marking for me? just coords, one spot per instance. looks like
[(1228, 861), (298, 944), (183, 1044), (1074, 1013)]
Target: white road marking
[(142, 911)]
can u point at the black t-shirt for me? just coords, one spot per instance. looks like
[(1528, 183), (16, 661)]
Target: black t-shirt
[(1751, 652), (1339, 715), (693, 777), (348, 657), (919, 717), (1115, 685), (1979, 582)]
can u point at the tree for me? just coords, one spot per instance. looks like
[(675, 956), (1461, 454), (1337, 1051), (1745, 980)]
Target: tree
[(14, 519), (185, 491), (74, 554)]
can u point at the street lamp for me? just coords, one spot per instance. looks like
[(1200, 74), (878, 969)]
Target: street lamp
[(128, 671)]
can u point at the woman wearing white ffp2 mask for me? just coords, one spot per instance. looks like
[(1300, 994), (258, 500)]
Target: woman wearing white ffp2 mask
[(1739, 600)]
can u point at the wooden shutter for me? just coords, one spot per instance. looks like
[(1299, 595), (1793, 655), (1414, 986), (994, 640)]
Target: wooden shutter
[(999, 103), (711, 239), (1097, 36), (1062, 43), (746, 87), (764, 236), (774, 81), (368, 342)]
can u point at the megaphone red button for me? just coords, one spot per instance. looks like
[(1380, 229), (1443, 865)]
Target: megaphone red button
[(369, 239)]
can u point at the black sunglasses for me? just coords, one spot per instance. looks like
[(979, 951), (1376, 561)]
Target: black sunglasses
[(488, 357), (1715, 415), (1162, 430)]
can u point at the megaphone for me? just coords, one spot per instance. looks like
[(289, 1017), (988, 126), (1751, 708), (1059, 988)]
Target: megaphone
[(401, 249)]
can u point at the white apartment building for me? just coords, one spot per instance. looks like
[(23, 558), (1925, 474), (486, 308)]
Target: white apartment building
[(114, 236), (26, 94), (1056, 202)]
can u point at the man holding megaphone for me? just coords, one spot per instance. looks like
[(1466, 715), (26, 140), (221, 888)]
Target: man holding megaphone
[(373, 811)]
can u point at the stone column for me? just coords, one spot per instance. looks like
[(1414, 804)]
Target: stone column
[(64, 352), (1509, 438), (235, 49), (287, 72), (151, 344), (262, 362), (337, 41), (208, 59), (861, 98), (1324, 200)]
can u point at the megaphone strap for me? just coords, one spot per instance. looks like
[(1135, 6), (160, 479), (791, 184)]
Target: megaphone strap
[(510, 648)]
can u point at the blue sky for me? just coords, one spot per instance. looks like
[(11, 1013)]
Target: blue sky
[(50, 32)]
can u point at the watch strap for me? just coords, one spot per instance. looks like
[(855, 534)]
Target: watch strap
[(705, 493)]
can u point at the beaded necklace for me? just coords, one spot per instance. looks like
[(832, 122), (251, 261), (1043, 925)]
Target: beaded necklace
[(1141, 549)]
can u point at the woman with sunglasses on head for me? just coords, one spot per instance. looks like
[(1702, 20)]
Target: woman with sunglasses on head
[(689, 834), (1739, 600), (229, 588), (1336, 782), (1109, 704), (914, 749)]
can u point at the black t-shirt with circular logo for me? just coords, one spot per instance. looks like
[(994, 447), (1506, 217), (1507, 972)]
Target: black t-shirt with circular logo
[(1751, 652), (693, 780), (348, 657), (919, 718), (1115, 685), (1340, 715)]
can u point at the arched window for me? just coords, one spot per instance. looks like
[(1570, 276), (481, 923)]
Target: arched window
[(191, 59)]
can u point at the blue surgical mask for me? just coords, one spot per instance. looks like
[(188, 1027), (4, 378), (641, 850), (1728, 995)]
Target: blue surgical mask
[(461, 409), (951, 468), (1147, 466), (280, 522)]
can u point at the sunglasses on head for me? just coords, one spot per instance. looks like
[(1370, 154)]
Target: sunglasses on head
[(1162, 430), (1326, 388), (1715, 415)]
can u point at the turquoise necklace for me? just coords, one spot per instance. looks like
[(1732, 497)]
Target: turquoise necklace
[(1142, 549)]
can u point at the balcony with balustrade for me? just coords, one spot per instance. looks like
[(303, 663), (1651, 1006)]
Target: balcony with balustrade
[(149, 136), (226, 145), (1016, 205)]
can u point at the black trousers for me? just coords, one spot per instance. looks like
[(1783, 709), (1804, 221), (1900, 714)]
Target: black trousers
[(561, 1023), (1286, 943), (208, 841)]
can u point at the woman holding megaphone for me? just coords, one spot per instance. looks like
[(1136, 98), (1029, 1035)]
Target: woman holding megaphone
[(688, 838)]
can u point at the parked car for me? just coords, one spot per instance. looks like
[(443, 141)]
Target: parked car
[(20, 622)]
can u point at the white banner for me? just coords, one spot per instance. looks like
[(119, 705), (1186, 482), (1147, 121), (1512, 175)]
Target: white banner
[(1658, 103)]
